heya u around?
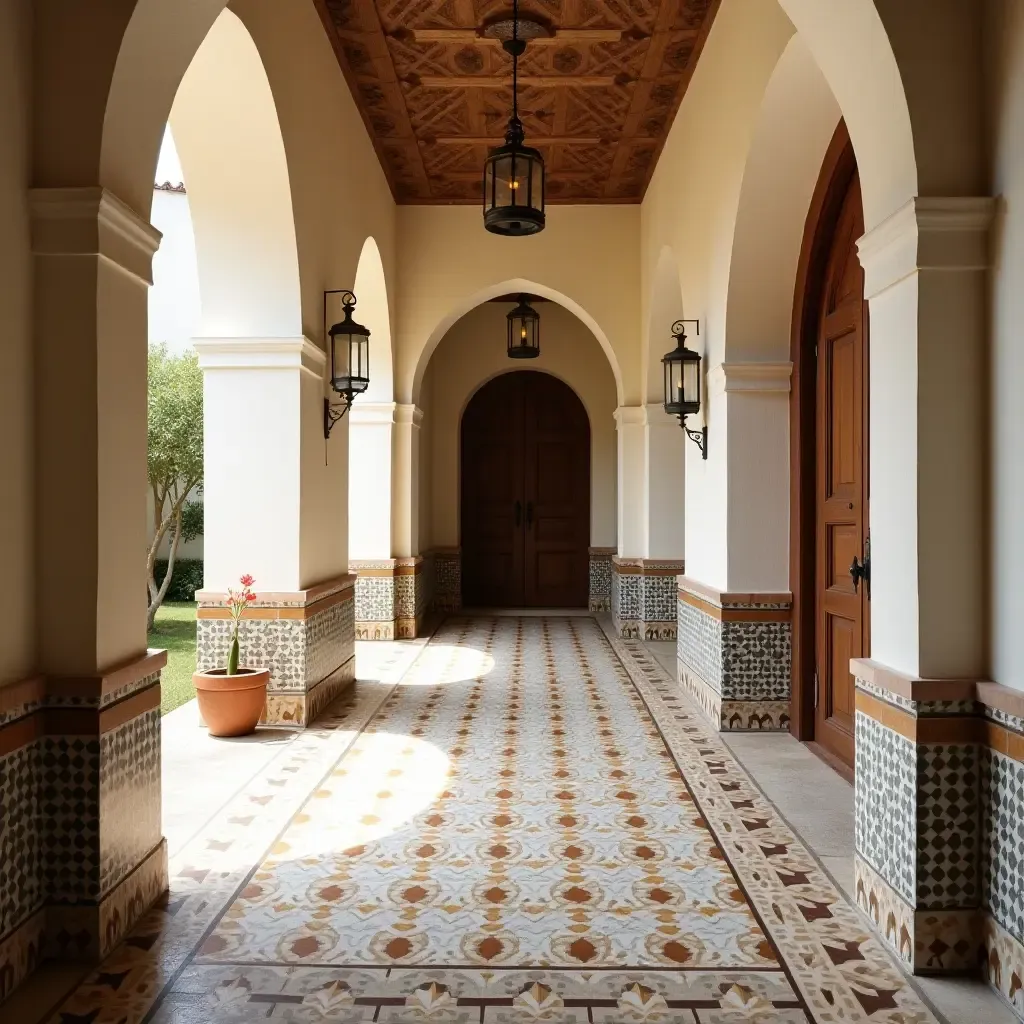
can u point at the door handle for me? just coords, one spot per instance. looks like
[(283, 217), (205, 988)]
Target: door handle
[(529, 514), (519, 513), (861, 571)]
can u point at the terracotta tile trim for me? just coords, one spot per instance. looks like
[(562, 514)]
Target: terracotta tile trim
[(266, 611), (603, 551), (726, 599), (911, 687), (945, 729), (77, 721), (892, 717), (735, 614), (376, 573), (1004, 741), (98, 686), (25, 691), (20, 733), (1001, 698), (646, 566)]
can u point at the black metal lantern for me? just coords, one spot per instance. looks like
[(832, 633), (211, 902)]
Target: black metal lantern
[(514, 173), (523, 330), (349, 344), (682, 383)]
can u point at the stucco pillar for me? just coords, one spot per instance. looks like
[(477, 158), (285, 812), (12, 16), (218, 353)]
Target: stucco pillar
[(276, 508), (665, 485), (734, 632), (925, 282), (918, 757), (80, 744), (414, 569)]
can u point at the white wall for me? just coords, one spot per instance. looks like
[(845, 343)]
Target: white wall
[(471, 353), (1006, 103), (174, 310)]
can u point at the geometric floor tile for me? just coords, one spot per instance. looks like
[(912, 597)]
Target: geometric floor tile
[(533, 824)]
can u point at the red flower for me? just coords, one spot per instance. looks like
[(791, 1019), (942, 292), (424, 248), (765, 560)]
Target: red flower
[(247, 580), (250, 596)]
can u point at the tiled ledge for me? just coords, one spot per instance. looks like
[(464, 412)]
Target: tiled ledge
[(284, 599)]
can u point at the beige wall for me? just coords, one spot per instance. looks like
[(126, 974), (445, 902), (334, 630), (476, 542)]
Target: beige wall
[(17, 640), (1006, 417), (473, 352), (587, 258)]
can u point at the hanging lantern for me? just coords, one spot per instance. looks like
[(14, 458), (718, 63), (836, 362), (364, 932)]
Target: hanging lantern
[(349, 344), (682, 383), (514, 173), (523, 330)]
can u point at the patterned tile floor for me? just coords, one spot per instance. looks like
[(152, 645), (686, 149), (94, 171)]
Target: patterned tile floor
[(530, 825)]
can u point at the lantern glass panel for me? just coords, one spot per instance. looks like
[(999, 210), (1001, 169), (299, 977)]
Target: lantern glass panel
[(504, 174), (689, 382)]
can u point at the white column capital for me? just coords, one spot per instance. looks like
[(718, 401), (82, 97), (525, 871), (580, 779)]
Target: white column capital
[(91, 221), (630, 416), (655, 416), (260, 354), (372, 413), (927, 233), (408, 414), (756, 376)]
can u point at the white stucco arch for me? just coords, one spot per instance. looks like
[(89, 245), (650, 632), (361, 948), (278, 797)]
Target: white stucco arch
[(792, 130), (664, 308), (849, 43), (374, 312), (228, 137), (510, 286)]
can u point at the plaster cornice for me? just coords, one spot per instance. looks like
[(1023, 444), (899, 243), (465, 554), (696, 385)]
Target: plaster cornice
[(927, 233), (630, 415), (372, 413), (170, 186), (91, 221), (260, 354), (408, 414), (757, 377)]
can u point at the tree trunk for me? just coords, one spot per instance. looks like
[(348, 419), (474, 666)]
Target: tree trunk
[(156, 596)]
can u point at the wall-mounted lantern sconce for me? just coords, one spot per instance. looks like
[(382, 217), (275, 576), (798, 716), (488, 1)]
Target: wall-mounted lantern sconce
[(523, 330), (682, 384), (350, 359)]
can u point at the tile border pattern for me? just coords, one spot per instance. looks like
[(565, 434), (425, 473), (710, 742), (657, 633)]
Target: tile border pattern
[(306, 639), (600, 577), (643, 600), (83, 857), (841, 970), (939, 794), (734, 653), (392, 596)]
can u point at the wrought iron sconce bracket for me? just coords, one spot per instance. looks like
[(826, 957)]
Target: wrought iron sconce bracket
[(698, 437), (333, 413)]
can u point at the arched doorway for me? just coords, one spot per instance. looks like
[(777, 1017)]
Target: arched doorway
[(832, 601), (525, 494)]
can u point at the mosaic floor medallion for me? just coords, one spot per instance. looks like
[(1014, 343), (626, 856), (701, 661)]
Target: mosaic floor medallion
[(532, 825)]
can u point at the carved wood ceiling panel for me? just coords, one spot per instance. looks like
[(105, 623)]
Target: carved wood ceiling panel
[(597, 95)]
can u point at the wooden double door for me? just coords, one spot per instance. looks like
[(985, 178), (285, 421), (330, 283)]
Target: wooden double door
[(525, 501), (841, 542)]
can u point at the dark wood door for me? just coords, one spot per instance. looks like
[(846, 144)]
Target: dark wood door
[(842, 614), (525, 494)]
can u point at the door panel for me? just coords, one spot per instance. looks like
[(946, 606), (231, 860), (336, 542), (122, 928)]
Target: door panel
[(492, 468), (842, 613), (557, 495), (525, 494)]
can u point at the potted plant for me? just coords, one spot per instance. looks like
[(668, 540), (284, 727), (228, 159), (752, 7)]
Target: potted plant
[(231, 700)]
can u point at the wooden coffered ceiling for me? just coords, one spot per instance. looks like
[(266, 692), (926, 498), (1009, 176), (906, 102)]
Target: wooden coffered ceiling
[(597, 93)]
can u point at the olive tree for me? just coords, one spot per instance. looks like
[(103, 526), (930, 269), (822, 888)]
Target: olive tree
[(175, 459)]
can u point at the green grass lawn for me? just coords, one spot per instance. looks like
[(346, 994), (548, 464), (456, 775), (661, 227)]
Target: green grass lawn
[(175, 632)]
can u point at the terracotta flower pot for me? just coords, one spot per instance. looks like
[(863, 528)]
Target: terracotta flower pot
[(231, 705)]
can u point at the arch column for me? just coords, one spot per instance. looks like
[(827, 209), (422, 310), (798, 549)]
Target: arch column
[(276, 508), (919, 775), (81, 741), (650, 497)]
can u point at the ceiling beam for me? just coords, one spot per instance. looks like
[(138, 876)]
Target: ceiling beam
[(561, 36), (533, 140), (505, 81)]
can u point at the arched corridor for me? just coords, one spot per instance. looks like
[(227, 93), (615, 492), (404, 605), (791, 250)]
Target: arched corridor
[(630, 564)]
